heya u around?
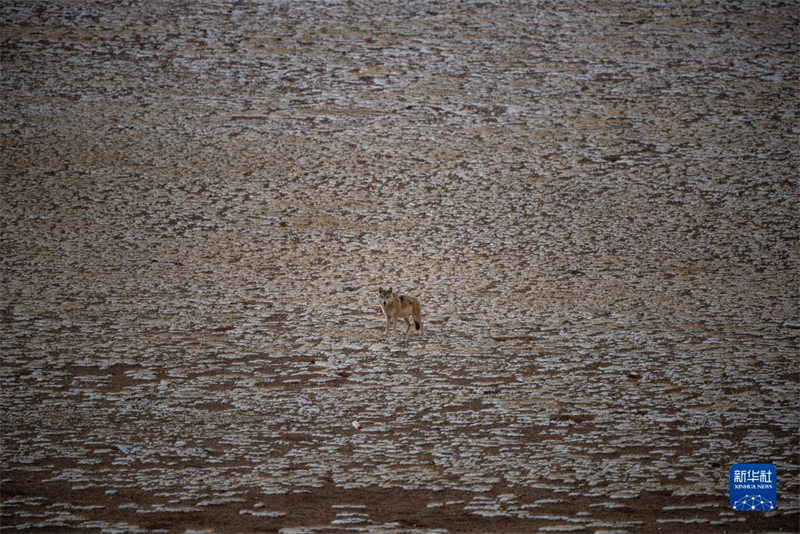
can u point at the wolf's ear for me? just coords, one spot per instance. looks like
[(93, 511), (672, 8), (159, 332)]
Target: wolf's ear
[(380, 290), (390, 290)]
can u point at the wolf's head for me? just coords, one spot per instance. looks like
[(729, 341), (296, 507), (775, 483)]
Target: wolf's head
[(386, 296)]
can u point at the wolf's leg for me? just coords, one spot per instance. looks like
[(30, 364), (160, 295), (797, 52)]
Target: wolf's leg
[(408, 325)]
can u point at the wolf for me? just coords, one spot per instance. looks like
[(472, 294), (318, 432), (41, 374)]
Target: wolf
[(400, 306)]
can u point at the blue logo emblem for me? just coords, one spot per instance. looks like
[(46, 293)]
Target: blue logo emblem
[(753, 487)]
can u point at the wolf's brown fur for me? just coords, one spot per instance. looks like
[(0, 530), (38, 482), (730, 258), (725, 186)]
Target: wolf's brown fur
[(400, 306)]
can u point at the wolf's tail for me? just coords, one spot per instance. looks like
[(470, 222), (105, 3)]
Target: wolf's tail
[(417, 309)]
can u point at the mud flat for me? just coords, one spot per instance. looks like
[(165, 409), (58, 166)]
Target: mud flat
[(596, 202)]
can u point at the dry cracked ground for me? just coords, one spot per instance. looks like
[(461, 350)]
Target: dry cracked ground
[(596, 202)]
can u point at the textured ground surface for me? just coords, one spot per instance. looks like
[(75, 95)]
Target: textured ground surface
[(597, 203)]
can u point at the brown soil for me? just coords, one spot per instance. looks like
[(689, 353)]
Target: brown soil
[(596, 203)]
